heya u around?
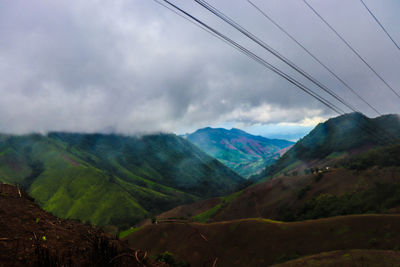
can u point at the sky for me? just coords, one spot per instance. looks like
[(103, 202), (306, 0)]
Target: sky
[(134, 67)]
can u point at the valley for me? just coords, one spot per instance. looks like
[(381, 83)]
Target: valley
[(332, 198), (110, 179), (244, 153)]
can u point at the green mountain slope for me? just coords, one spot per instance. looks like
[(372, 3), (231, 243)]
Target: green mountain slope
[(350, 133), (245, 153), (111, 179)]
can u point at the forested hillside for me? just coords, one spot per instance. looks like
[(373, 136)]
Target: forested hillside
[(111, 179)]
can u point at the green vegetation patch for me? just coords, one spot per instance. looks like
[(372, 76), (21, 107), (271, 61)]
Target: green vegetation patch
[(377, 199), (208, 214), (111, 179), (127, 232), (382, 157)]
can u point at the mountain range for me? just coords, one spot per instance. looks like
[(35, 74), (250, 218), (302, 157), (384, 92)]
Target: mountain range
[(111, 179), (242, 152), (333, 197), (310, 198), (337, 169)]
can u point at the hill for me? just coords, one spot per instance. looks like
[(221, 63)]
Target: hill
[(245, 153), (347, 134), (347, 258), (363, 179), (32, 237), (261, 242), (347, 188), (111, 179)]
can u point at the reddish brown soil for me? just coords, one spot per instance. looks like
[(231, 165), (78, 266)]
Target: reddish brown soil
[(30, 236)]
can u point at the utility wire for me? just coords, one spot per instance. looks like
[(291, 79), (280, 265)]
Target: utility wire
[(312, 55), (192, 22), (380, 24), (273, 51), (291, 64), (351, 48), (265, 64), (259, 60)]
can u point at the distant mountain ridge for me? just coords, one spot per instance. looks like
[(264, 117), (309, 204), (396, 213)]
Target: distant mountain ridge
[(111, 179), (245, 153)]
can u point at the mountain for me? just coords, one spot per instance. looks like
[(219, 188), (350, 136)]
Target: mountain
[(245, 153), (334, 196), (347, 134), (337, 169), (33, 237), (111, 179)]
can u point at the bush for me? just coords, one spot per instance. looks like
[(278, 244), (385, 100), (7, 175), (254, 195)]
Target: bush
[(377, 199), (318, 177), (169, 258), (303, 191)]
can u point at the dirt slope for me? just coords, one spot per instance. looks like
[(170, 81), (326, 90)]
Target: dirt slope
[(272, 199), (260, 242), (30, 236), (348, 258)]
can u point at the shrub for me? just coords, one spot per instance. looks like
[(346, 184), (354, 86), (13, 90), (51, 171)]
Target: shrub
[(169, 258), (318, 177), (303, 191)]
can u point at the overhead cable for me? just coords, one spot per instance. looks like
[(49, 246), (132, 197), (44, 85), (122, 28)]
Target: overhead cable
[(274, 52), (313, 56), (264, 63), (351, 48), (380, 24), (258, 59)]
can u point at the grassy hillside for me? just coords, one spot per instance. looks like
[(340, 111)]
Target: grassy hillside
[(110, 179), (351, 133), (260, 242), (163, 158), (245, 153)]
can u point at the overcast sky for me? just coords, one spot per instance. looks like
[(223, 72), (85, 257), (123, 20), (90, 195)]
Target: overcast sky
[(132, 66)]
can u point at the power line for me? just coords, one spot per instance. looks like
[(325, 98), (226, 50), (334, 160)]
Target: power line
[(192, 22), (291, 64), (259, 60), (339, 111), (312, 55), (380, 24), (273, 51), (269, 66), (351, 48)]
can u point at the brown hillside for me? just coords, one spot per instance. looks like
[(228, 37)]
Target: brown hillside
[(30, 236), (348, 258), (272, 198), (187, 211), (260, 242)]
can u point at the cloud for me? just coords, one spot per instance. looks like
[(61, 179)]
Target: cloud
[(134, 67)]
